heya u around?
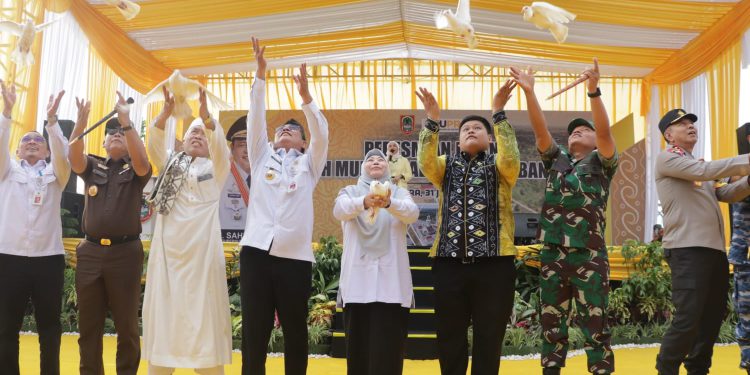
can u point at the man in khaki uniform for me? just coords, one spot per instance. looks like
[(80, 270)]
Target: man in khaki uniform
[(694, 244)]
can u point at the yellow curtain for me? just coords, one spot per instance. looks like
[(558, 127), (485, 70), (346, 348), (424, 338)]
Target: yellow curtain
[(102, 89), (136, 66), (25, 79), (678, 15), (670, 97), (723, 78), (400, 32), (697, 55)]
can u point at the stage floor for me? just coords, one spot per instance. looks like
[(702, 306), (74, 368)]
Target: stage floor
[(638, 361)]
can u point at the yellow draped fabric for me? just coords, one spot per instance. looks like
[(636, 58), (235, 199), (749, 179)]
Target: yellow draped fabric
[(26, 79), (696, 56), (102, 93), (670, 97), (165, 13), (139, 69), (397, 32), (667, 14), (722, 78)]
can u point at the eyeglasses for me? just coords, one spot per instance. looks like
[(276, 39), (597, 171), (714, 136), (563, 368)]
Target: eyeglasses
[(113, 131), (288, 127), (32, 137)]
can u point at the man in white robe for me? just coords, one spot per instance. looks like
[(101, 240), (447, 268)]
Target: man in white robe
[(186, 318)]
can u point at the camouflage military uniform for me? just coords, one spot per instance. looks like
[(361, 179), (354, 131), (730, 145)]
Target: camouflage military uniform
[(575, 268), (738, 258)]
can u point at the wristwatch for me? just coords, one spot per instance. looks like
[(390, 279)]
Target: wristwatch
[(595, 94)]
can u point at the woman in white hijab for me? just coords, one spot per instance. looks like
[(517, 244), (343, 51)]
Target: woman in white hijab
[(375, 288)]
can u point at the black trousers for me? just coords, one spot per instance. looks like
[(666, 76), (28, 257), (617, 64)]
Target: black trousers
[(480, 294), (268, 284), (700, 282), (41, 280), (375, 338)]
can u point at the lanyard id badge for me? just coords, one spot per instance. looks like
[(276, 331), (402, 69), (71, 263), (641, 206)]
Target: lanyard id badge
[(37, 198)]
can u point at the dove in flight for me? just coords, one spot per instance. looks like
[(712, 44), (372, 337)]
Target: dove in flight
[(128, 8), (459, 22), (183, 89), (26, 32), (546, 16), (379, 189)]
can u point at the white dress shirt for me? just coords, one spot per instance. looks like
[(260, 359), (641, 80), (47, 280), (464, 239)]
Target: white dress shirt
[(283, 183), (232, 208), (28, 228), (387, 279)]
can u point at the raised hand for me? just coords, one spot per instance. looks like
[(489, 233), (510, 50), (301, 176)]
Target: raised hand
[(523, 79), (259, 58), (84, 108), (503, 95), (168, 102), (9, 98), (429, 103), (54, 104), (203, 110), (593, 76), (302, 86), (123, 110)]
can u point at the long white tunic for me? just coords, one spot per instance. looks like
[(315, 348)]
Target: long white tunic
[(186, 318), (386, 279)]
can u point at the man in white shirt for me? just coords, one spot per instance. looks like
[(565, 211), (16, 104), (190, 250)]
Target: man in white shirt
[(276, 257), (235, 195), (32, 260)]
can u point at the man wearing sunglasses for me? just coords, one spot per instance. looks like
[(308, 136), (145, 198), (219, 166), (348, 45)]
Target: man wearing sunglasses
[(276, 257), (110, 259), (32, 260)]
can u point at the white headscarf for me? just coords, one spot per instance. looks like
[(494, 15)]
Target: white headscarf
[(374, 239)]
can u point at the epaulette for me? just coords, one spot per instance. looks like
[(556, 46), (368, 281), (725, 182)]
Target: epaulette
[(676, 150)]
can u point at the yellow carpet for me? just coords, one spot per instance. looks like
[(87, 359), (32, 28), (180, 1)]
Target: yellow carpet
[(629, 362)]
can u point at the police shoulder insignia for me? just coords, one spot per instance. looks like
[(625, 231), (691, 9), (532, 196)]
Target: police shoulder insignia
[(676, 150)]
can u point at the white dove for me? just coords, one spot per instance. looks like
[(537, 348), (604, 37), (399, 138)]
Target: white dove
[(128, 8), (459, 22), (379, 189), (546, 16), (184, 89), (25, 32)]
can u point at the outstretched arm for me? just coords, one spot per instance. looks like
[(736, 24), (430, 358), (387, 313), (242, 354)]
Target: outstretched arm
[(76, 154), (431, 165), (605, 143), (58, 145), (508, 160), (9, 100), (538, 123), (136, 149), (316, 122), (157, 148), (257, 137)]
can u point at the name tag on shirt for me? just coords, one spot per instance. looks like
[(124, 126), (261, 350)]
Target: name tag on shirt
[(205, 177), (37, 199)]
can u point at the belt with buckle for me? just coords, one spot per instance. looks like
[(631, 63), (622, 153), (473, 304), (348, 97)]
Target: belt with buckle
[(112, 240)]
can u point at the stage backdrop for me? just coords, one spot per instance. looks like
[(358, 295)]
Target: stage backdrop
[(354, 132)]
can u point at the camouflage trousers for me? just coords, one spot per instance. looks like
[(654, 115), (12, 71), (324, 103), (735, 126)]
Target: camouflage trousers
[(742, 306), (581, 277)]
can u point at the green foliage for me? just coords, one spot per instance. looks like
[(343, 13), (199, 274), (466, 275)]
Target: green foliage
[(327, 267), (645, 296), (70, 223)]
